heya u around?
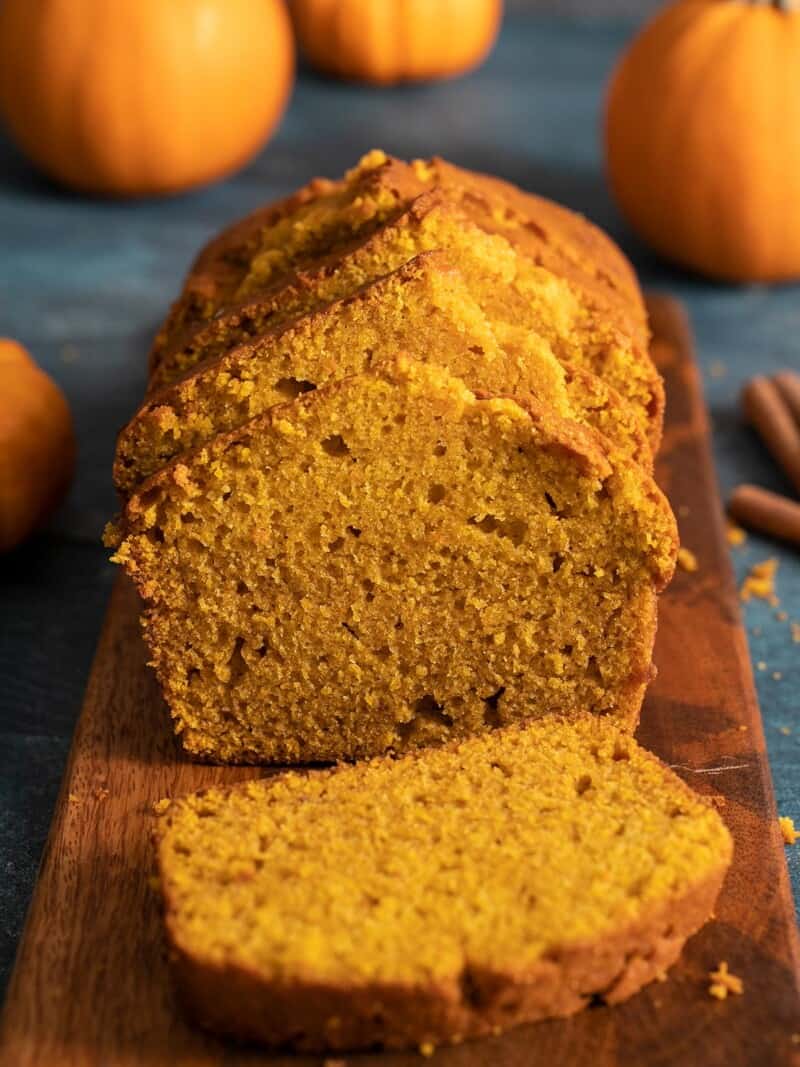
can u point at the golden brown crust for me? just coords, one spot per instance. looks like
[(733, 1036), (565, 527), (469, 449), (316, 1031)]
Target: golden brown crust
[(315, 1018), (221, 265), (552, 236), (565, 229), (217, 268)]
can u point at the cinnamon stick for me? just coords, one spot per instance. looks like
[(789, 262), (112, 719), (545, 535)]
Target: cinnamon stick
[(766, 512), (788, 384), (768, 413)]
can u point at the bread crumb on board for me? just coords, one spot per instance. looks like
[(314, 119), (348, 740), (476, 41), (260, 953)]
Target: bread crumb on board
[(427, 1049), (687, 560), (334, 1063), (160, 806), (760, 582), (735, 535), (723, 982), (790, 834), (796, 632)]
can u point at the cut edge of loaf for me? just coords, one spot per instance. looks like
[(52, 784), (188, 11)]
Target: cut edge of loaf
[(160, 424), (222, 265), (139, 538)]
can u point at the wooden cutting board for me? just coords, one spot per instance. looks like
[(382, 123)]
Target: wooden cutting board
[(91, 986)]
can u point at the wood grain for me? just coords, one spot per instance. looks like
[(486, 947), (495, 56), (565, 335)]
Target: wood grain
[(91, 987)]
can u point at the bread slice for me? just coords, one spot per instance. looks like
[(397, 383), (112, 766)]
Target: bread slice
[(596, 278), (546, 232), (388, 562), (518, 298), (423, 307), (454, 893), (282, 236), (551, 235)]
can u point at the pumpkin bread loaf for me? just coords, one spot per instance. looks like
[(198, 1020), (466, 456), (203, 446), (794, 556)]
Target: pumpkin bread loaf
[(425, 307), (520, 300), (380, 189), (453, 893), (388, 562)]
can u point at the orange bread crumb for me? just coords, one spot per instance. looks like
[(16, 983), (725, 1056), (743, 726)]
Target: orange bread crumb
[(687, 560), (760, 582), (390, 561), (790, 835), (723, 983), (734, 534)]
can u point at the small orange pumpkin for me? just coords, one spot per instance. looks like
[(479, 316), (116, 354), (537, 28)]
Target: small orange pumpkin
[(135, 97), (703, 137), (387, 41), (37, 445)]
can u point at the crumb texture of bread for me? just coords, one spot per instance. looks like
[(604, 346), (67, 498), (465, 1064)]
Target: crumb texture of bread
[(564, 279), (424, 307), (388, 562), (509, 878)]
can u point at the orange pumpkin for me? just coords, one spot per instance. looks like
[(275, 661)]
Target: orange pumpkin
[(703, 137), (386, 41), (134, 97), (37, 446)]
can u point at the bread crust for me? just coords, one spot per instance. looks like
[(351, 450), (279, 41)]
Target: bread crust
[(164, 406), (312, 1017), (548, 234), (564, 229), (219, 267)]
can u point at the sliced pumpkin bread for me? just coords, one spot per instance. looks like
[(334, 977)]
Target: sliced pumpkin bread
[(457, 892), (592, 270), (551, 235), (423, 307), (281, 236), (520, 300), (389, 561)]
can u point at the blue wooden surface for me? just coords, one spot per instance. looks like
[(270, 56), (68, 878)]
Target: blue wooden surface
[(85, 283)]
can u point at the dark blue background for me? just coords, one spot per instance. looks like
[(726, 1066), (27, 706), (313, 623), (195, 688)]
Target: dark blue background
[(85, 283)]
